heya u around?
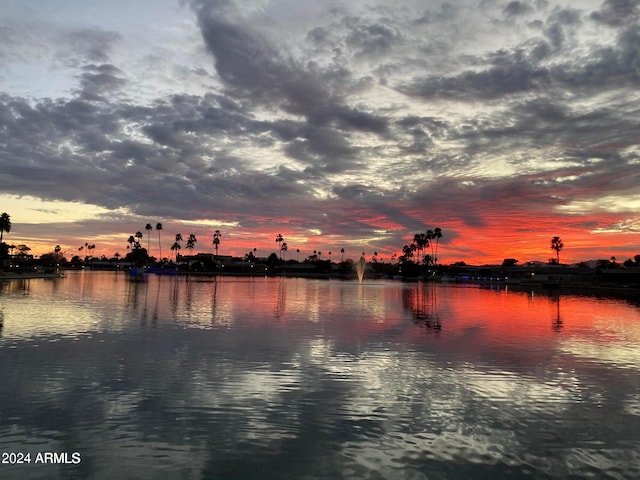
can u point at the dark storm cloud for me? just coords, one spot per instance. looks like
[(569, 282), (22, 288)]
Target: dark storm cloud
[(370, 39), (96, 81), (254, 69), (416, 135), (617, 12), (105, 165), (519, 71), (517, 8), (507, 73)]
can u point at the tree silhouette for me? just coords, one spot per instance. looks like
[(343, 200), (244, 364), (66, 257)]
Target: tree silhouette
[(279, 240), (421, 241), (148, 228), (191, 243), (557, 245), (216, 240), (5, 226), (437, 235), (158, 228), (407, 253), (177, 246)]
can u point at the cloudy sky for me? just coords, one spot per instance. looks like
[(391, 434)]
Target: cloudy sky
[(338, 124)]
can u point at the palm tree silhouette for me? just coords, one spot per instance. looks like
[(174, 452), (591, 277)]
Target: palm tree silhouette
[(437, 234), (407, 252), (148, 228), (158, 228), (279, 240), (5, 226), (191, 243), (557, 245), (421, 241), (176, 246), (216, 240)]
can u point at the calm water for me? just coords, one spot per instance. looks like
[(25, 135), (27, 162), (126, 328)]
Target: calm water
[(262, 378)]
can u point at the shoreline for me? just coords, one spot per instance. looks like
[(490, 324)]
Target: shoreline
[(563, 288), (29, 276)]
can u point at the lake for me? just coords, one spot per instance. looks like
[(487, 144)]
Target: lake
[(290, 378)]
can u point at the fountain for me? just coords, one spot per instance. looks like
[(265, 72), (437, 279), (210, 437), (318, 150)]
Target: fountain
[(360, 268)]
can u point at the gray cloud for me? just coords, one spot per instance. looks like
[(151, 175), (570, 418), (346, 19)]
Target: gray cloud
[(515, 8), (617, 12)]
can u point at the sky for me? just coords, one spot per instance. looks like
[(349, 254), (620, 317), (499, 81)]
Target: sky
[(347, 125)]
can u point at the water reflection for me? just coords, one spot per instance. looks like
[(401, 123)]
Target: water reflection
[(557, 320), (422, 302), (292, 378)]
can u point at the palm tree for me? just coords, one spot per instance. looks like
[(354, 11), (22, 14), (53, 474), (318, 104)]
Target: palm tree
[(421, 241), (437, 234), (176, 248), (191, 243), (5, 225), (177, 245), (407, 252), (138, 237), (158, 228), (342, 255), (557, 245), (148, 228), (216, 240), (279, 240), (430, 235), (284, 248)]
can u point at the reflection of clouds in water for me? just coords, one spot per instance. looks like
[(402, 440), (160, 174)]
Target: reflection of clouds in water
[(551, 395), (617, 354), (430, 411), (331, 389), (632, 404)]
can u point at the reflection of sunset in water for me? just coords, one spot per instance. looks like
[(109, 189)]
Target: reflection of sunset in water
[(92, 301), (258, 374)]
